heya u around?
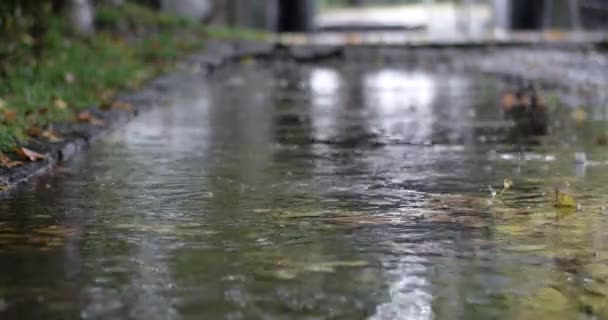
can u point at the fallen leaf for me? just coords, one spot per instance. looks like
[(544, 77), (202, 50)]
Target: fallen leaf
[(507, 184), (7, 162), (579, 115), (86, 116), (28, 154), (9, 115), (2, 104), (4, 188), (61, 104), (51, 136), (563, 200), (120, 105), (34, 132)]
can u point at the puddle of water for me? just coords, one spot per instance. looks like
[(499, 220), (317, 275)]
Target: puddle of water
[(315, 192)]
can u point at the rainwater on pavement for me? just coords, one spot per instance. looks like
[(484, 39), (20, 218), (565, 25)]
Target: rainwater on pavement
[(335, 191)]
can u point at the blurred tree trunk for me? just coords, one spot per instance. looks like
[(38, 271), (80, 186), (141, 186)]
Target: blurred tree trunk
[(193, 9), (80, 14)]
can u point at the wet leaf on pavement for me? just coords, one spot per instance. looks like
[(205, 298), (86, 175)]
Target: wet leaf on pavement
[(506, 185), (563, 200), (579, 115), (7, 162), (51, 136), (86, 116), (28, 154)]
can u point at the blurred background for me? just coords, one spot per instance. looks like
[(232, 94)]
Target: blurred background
[(434, 17)]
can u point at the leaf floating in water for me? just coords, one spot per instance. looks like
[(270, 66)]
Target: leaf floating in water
[(563, 200), (506, 185), (579, 115)]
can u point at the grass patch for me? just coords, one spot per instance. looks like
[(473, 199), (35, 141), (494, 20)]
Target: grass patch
[(50, 78)]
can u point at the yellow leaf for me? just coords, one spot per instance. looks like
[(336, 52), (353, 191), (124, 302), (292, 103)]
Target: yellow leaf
[(564, 200), (51, 136), (61, 104), (2, 104), (579, 115), (507, 184)]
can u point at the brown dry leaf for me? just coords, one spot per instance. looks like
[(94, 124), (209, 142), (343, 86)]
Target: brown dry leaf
[(121, 105), (86, 116), (9, 115), (60, 104), (28, 154), (51, 136), (34, 132), (7, 162)]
